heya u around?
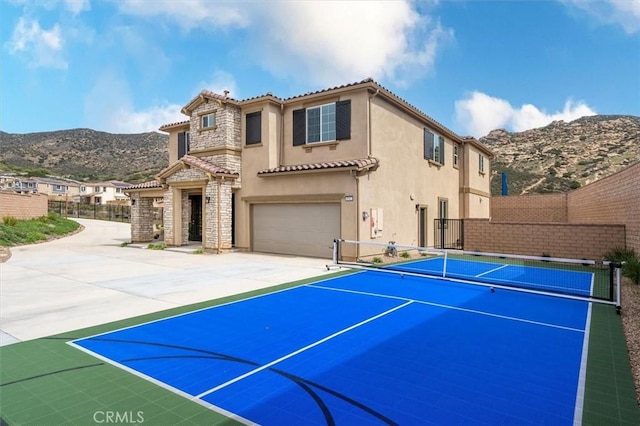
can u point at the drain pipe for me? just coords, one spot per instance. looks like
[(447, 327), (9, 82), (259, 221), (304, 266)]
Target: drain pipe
[(281, 150), (219, 214), (369, 150)]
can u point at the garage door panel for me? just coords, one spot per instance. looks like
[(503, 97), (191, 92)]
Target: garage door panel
[(298, 229)]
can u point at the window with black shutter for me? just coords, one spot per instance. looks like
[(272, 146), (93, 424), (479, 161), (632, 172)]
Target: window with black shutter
[(183, 144), (433, 147), (324, 123), (254, 128), (343, 120)]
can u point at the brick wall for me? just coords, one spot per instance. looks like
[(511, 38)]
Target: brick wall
[(23, 206), (555, 239), (614, 199), (530, 208)]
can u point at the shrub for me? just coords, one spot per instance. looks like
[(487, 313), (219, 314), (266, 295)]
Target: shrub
[(631, 267), (405, 254), (160, 246), (377, 260), (10, 221)]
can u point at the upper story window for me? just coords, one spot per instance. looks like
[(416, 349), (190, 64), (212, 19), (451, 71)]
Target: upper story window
[(97, 188), (456, 155), (184, 141), (208, 121), (59, 187), (253, 128), (323, 123), (104, 189), (481, 163), (83, 189), (433, 147), (118, 190)]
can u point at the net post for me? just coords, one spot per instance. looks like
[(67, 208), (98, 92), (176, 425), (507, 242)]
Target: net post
[(618, 268)]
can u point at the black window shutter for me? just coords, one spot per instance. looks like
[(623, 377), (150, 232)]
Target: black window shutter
[(254, 128), (182, 145), (299, 127), (343, 120), (441, 143), (428, 145)]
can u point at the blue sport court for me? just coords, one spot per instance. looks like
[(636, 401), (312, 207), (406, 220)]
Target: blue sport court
[(371, 347)]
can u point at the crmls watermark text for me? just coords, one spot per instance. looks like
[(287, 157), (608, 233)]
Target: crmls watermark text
[(126, 417)]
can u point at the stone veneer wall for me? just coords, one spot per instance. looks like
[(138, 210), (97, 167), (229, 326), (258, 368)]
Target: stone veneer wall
[(225, 134), (168, 217), (211, 226), (142, 218), (186, 216)]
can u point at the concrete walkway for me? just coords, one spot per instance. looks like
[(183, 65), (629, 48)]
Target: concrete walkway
[(88, 279)]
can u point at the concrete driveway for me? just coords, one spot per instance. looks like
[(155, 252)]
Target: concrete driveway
[(88, 279)]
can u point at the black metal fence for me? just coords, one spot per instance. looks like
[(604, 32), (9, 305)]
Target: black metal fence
[(113, 212), (448, 233)]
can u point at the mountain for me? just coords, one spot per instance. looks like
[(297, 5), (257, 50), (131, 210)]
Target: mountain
[(563, 156), (85, 155), (556, 158)]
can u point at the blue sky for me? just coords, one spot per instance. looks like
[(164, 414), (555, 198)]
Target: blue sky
[(128, 66)]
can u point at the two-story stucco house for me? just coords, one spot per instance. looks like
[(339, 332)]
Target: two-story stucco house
[(291, 175), (109, 192), (58, 189)]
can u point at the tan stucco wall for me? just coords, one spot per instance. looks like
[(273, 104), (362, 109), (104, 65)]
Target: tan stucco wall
[(405, 179)]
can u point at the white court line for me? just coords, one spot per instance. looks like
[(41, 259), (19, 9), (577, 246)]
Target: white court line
[(272, 363), (456, 308), (164, 385), (582, 380), (492, 270)]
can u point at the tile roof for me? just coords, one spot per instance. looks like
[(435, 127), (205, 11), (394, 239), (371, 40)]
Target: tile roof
[(360, 164), (177, 123), (198, 163), (206, 166), (145, 185)]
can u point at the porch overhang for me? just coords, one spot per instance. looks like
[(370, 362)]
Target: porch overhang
[(358, 166)]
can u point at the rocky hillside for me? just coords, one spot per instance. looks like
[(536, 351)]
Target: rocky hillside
[(85, 154), (563, 156)]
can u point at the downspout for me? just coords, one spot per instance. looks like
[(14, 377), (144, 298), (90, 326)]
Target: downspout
[(354, 173), (369, 150), (281, 147), (219, 215)]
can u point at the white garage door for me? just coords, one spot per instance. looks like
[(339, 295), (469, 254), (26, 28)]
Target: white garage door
[(299, 229)]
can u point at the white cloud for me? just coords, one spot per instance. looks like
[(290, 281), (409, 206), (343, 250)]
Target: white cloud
[(625, 13), (40, 47), (480, 113), (219, 82), (322, 43), (77, 6), (189, 14), (109, 107)]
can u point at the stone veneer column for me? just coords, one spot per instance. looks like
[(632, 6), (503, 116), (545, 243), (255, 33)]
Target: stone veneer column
[(211, 216), (168, 217), (141, 219)]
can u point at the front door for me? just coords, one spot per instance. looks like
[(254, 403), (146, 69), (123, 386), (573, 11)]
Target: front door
[(422, 227), (195, 222)]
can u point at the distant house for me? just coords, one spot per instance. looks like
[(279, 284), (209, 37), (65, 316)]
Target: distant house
[(109, 192), (289, 175), (58, 189), (21, 185)]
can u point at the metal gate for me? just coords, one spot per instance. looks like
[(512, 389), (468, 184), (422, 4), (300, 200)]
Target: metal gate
[(448, 233)]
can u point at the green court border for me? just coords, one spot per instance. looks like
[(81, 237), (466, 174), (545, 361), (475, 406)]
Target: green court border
[(46, 381)]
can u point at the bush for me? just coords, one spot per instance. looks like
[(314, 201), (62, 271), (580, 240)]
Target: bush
[(160, 246), (631, 267), (405, 254), (10, 221), (377, 260)]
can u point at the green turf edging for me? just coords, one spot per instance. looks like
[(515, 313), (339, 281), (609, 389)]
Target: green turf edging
[(47, 381), (610, 394)]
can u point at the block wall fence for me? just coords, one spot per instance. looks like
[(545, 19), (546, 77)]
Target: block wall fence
[(23, 206), (585, 223)]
